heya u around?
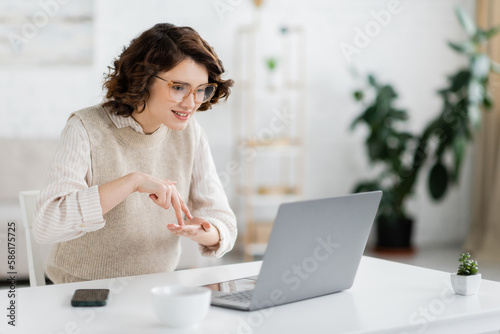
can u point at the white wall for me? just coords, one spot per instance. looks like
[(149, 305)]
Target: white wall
[(410, 52)]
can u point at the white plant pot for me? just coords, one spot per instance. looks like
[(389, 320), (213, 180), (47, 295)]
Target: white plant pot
[(465, 285)]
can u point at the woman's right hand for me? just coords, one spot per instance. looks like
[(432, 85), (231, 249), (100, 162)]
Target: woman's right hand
[(163, 193)]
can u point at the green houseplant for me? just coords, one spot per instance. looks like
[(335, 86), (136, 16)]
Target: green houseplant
[(466, 280), (400, 155), (462, 101), (388, 150)]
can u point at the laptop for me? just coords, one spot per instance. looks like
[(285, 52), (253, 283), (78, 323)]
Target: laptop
[(314, 249)]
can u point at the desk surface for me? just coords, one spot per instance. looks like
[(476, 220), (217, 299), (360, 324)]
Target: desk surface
[(386, 297)]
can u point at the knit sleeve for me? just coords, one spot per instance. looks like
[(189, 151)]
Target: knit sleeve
[(209, 201), (67, 207)]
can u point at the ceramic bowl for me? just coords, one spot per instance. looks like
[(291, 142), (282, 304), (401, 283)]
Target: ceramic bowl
[(181, 306)]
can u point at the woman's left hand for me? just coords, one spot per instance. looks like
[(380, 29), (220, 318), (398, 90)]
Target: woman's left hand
[(198, 230)]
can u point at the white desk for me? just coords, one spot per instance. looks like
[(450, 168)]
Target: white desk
[(387, 297)]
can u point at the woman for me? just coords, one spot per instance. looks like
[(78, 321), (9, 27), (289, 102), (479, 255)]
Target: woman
[(114, 197)]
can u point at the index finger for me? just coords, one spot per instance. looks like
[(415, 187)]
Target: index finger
[(184, 207), (178, 210)]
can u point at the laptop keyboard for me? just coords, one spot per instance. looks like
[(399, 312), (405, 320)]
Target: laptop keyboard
[(241, 296)]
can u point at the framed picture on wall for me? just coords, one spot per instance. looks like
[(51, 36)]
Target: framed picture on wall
[(46, 32)]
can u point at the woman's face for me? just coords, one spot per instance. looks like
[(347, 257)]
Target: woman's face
[(161, 109)]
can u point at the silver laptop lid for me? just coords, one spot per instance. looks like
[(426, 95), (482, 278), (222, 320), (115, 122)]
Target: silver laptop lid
[(315, 248)]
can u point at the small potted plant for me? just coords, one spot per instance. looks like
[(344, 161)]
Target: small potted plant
[(467, 279), (273, 79)]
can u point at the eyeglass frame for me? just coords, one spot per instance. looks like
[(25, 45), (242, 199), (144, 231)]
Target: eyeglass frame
[(193, 91)]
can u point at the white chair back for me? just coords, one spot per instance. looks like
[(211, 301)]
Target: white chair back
[(36, 268)]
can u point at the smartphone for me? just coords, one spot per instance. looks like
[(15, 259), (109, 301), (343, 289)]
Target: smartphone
[(90, 297)]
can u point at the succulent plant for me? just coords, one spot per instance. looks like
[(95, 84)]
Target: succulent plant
[(467, 266)]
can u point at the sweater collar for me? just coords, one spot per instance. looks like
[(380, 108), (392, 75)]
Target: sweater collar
[(123, 122), (131, 133)]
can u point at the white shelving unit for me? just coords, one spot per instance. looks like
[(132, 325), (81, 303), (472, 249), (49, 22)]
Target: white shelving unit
[(269, 124)]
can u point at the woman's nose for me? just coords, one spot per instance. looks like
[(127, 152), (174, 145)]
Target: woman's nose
[(189, 102)]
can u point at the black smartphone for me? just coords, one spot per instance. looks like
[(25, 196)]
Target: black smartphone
[(90, 297)]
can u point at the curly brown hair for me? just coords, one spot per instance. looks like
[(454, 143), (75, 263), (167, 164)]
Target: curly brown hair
[(156, 50)]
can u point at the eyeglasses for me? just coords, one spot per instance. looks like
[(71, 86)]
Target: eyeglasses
[(179, 91)]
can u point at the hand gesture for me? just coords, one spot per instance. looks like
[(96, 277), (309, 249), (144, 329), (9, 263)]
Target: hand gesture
[(164, 193), (198, 230)]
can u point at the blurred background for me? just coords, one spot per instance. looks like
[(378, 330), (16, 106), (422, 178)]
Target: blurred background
[(284, 133)]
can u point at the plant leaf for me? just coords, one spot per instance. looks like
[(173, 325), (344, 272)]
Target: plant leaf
[(271, 63), (372, 81), (388, 92), (465, 21), (459, 153), (376, 148), (491, 32), (480, 66), (438, 180), (366, 116), (459, 80), (369, 114), (475, 92), (401, 115), (358, 95), (355, 122), (464, 47), (404, 137), (487, 100), (475, 115), (366, 186)]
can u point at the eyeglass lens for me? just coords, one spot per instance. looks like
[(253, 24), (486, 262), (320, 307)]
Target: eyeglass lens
[(179, 92)]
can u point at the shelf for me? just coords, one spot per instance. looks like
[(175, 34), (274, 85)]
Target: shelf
[(267, 192), (269, 123), (285, 86), (278, 190), (262, 201), (257, 237), (278, 142)]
